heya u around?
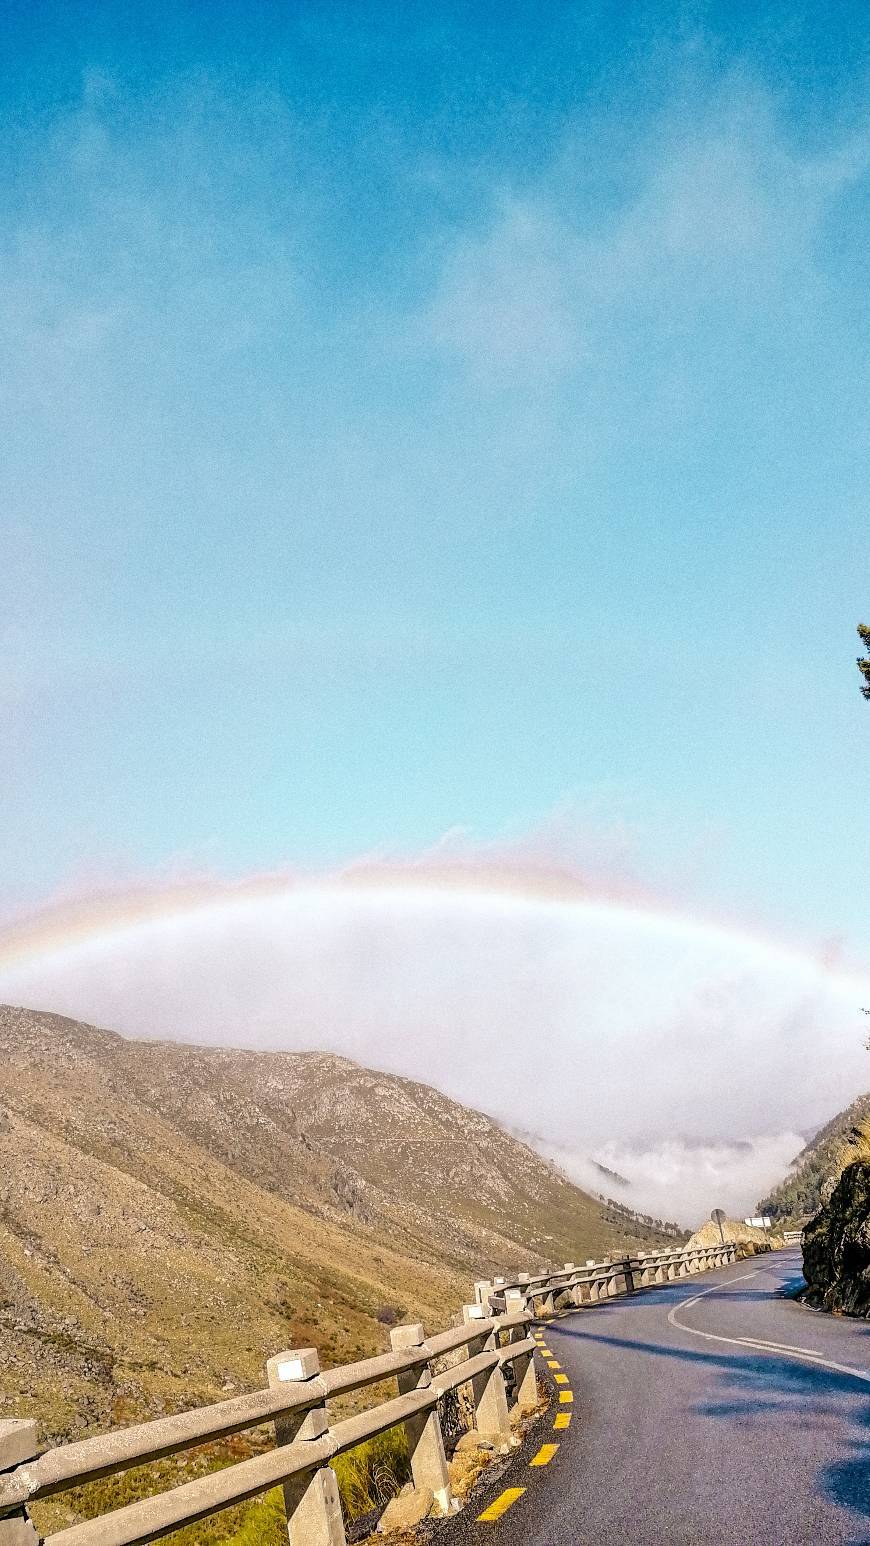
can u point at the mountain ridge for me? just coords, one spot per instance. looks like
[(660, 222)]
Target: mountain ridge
[(170, 1215)]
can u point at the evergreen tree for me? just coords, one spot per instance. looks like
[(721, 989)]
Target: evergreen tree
[(864, 664)]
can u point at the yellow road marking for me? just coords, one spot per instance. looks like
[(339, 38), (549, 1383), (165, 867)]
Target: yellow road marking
[(566, 1395), (501, 1504), (561, 1379), (552, 1364), (544, 1455), (563, 1419)]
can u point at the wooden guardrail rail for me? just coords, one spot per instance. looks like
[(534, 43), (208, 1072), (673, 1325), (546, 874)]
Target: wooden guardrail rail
[(490, 1354), (296, 1401), (606, 1279), (547, 1292)]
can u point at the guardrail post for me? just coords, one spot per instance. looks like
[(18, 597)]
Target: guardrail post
[(423, 1430), (594, 1285), (580, 1291), (622, 1281), (491, 1417), (525, 1390), (608, 1286), (18, 1442), (514, 1303), (311, 1499), (563, 1293)]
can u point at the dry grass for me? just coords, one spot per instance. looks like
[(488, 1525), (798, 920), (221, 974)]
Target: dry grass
[(172, 1216), (855, 1147)]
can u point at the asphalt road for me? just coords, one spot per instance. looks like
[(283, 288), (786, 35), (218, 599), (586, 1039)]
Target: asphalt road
[(686, 1427)]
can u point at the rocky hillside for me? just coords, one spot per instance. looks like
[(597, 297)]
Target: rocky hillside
[(836, 1246), (813, 1172), (170, 1215)]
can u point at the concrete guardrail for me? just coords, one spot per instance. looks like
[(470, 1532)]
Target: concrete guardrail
[(495, 1367)]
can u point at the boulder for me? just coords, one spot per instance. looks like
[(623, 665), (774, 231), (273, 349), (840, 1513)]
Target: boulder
[(405, 1511), (473, 1440)]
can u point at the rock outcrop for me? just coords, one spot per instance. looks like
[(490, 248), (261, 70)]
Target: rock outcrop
[(836, 1246), (734, 1231)]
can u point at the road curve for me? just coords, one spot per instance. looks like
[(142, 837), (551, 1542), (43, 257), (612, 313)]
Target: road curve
[(714, 1411)]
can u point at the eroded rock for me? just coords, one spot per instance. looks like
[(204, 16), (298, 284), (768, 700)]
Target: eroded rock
[(836, 1246)]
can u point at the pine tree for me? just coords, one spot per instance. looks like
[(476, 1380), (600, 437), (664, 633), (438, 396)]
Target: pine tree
[(864, 665)]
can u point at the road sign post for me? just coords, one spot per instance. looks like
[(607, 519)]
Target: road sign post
[(718, 1217)]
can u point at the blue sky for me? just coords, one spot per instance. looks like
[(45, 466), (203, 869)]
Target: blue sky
[(420, 421)]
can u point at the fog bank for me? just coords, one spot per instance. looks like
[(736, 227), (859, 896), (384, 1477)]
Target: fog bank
[(686, 1058)]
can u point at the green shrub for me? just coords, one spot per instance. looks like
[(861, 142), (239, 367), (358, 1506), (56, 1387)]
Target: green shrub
[(374, 1472), (368, 1477), (265, 1523)]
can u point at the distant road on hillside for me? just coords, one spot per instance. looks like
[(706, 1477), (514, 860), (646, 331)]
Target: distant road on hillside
[(716, 1412)]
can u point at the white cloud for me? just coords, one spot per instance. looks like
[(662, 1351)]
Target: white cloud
[(721, 227), (682, 1055)]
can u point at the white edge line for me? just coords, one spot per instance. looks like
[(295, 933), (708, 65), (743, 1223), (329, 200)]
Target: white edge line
[(780, 1349)]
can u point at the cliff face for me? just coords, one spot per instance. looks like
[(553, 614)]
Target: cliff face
[(837, 1246)]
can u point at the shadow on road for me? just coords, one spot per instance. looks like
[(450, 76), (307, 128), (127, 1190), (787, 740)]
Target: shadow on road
[(761, 1386)]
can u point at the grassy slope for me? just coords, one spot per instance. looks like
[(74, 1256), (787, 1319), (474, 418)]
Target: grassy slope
[(171, 1215)]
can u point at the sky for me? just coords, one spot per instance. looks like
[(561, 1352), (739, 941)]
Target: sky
[(445, 427)]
